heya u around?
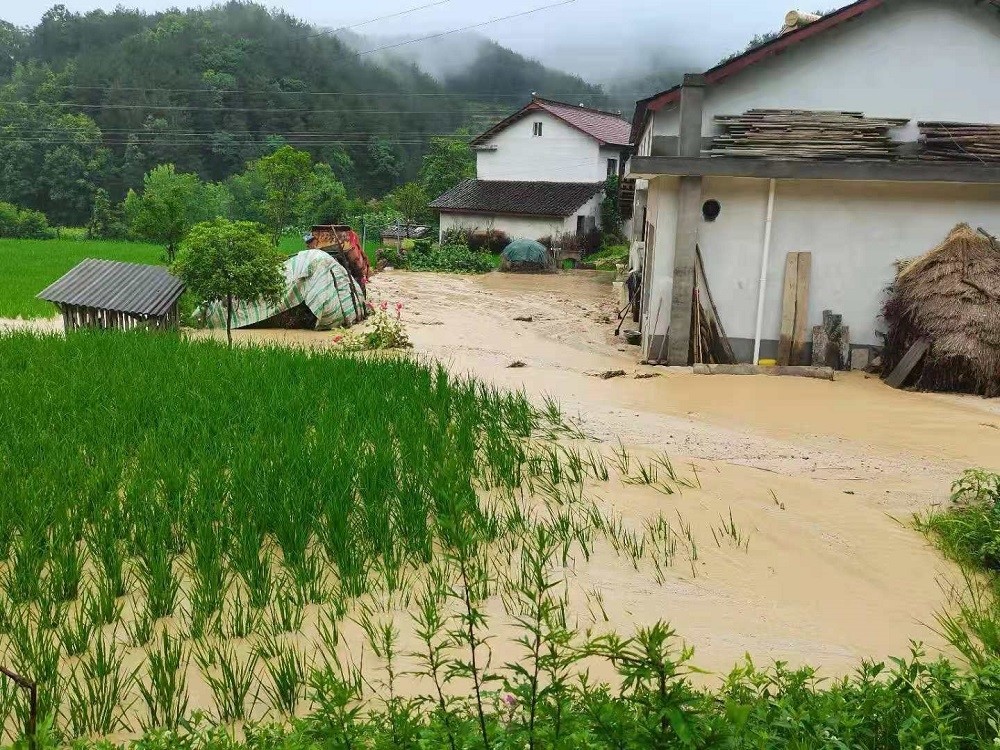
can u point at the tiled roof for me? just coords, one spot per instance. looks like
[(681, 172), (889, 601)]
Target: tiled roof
[(605, 127), (559, 199), (122, 287)]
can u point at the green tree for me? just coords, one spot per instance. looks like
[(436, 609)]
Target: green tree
[(611, 214), (285, 176), (447, 163), (106, 221), (170, 204), (410, 201), (324, 199), (224, 261)]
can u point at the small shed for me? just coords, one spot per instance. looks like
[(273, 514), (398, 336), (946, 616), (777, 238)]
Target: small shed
[(111, 294), (393, 235)]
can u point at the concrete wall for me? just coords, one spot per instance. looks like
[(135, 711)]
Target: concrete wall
[(855, 232), (561, 154), (658, 281), (916, 59)]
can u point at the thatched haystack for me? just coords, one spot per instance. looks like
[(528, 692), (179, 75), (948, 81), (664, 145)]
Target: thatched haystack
[(951, 297)]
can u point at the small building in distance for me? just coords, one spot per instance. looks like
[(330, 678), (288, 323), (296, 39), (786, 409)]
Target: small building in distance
[(394, 235), (111, 294)]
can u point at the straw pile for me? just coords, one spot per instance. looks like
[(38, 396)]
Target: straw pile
[(950, 296)]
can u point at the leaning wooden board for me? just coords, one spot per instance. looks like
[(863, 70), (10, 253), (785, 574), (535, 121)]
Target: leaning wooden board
[(795, 309), (908, 363)]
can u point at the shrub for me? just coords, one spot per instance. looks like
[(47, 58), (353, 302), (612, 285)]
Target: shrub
[(607, 258), (391, 256), (451, 259), (490, 241), (24, 223), (969, 532)]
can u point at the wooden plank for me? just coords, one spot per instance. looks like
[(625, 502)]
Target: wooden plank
[(913, 357), (788, 309), (821, 373), (798, 356)]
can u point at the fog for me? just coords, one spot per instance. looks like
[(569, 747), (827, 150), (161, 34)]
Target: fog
[(600, 40)]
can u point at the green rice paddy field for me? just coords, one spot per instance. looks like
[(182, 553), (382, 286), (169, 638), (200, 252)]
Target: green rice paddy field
[(28, 266)]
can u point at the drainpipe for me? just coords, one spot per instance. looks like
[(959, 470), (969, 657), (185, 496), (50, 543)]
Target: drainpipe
[(768, 221)]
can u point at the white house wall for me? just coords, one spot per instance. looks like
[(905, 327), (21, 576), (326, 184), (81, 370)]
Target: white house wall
[(916, 59), (661, 213), (516, 227), (855, 232), (561, 154)]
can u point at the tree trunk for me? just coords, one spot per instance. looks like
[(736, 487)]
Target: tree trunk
[(229, 319)]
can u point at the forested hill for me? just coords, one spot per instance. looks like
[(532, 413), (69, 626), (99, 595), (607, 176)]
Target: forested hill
[(99, 98)]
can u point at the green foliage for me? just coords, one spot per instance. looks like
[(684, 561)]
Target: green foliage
[(23, 223), (969, 531), (225, 261), (611, 215), (447, 259), (324, 199), (107, 220), (608, 257), (284, 178), (410, 202), (447, 162), (170, 204)]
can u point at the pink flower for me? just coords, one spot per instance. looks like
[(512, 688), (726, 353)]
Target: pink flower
[(509, 700), (370, 306), (337, 339), (384, 306), (399, 306)]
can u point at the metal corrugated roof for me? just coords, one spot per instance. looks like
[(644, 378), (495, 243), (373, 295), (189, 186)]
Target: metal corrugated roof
[(130, 288)]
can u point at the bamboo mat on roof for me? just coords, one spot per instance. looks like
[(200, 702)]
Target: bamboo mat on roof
[(956, 141), (805, 134)]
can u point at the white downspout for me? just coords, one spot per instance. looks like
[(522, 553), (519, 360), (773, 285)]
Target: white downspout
[(769, 219)]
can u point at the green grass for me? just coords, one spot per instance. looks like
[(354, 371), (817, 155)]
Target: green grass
[(28, 266)]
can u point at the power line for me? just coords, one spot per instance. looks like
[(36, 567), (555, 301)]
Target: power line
[(459, 30), (378, 18), (111, 88)]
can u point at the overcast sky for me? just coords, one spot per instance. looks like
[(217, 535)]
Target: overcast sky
[(585, 36)]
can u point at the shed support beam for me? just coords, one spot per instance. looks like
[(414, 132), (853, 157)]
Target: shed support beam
[(688, 220)]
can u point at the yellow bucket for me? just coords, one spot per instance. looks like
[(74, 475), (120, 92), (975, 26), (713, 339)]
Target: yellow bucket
[(767, 362)]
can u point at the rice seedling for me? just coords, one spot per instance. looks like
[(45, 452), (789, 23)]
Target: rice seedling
[(287, 671), (287, 611), (231, 679), (729, 532), (242, 619), (75, 633), (66, 561), (99, 691), (140, 628), (165, 689)]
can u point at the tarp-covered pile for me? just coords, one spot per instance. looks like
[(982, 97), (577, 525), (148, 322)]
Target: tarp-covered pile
[(950, 299), (314, 281), (525, 255)]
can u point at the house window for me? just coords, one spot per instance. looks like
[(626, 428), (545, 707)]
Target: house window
[(612, 167), (581, 224), (537, 132)]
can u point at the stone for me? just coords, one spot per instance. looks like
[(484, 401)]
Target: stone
[(524, 318), (516, 364), (860, 358)]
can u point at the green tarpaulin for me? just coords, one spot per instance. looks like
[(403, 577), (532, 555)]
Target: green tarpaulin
[(526, 251), (312, 278)]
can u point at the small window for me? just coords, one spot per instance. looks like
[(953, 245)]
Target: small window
[(538, 130), (581, 224), (612, 167)]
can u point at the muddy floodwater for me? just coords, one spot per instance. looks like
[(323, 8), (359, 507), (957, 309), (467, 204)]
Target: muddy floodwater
[(821, 478)]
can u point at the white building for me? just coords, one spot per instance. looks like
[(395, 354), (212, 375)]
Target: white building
[(540, 172), (916, 61)]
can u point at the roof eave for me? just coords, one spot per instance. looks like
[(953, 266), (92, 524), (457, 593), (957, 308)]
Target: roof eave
[(724, 70)]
